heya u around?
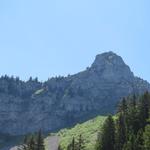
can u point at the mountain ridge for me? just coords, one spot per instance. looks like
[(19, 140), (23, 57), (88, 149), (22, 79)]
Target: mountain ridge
[(63, 101)]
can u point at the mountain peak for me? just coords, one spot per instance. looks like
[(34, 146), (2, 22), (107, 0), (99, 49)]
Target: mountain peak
[(109, 53), (110, 65), (108, 58)]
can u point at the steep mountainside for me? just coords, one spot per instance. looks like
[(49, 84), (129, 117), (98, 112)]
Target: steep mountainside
[(63, 101)]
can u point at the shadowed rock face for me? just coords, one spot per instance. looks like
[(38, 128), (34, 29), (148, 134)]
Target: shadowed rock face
[(63, 101)]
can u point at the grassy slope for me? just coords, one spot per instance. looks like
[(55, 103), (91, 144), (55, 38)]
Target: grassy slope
[(88, 130)]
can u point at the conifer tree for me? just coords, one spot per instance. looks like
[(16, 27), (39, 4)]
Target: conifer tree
[(39, 142), (130, 145), (122, 106), (24, 146), (120, 132), (72, 145), (139, 140), (146, 136), (80, 143), (107, 141), (34, 142), (28, 143), (31, 144), (59, 147), (144, 106), (132, 119)]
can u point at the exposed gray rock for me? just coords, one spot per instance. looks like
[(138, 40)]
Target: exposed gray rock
[(63, 101)]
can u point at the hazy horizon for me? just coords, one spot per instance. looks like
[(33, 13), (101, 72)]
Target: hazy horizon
[(50, 38)]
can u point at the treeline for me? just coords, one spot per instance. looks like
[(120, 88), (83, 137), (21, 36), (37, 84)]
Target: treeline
[(25, 89), (33, 142), (16, 87), (130, 128)]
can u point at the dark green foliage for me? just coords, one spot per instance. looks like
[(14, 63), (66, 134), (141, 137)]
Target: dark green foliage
[(132, 117), (120, 132), (144, 107), (59, 147), (132, 129), (107, 139), (39, 141), (130, 145), (34, 142), (123, 106), (31, 144), (146, 137), (139, 140)]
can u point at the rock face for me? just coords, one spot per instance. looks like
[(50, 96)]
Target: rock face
[(62, 101)]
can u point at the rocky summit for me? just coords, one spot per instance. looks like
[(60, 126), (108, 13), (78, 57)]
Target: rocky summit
[(63, 101)]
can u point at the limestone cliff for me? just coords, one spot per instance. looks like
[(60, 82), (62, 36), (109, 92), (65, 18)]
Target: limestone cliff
[(62, 101)]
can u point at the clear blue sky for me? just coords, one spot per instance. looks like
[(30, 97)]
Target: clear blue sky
[(46, 38)]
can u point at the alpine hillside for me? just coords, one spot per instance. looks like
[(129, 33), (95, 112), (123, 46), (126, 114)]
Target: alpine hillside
[(63, 101)]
